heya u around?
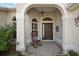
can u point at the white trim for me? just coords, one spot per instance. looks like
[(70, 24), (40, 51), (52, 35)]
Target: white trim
[(48, 40), (43, 30), (47, 21)]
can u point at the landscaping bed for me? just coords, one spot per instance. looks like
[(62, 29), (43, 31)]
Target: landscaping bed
[(7, 42), (70, 53), (5, 53), (73, 53)]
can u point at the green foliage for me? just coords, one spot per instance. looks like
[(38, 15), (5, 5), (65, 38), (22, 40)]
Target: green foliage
[(6, 33), (73, 53)]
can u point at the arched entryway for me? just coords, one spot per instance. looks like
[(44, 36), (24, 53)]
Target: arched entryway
[(42, 11), (49, 12), (49, 16)]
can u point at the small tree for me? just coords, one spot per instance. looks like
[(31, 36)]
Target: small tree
[(6, 33)]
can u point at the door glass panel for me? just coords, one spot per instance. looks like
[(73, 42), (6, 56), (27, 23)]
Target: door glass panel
[(47, 31)]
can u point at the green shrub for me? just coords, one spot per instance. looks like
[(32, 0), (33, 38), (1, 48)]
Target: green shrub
[(6, 33), (73, 53)]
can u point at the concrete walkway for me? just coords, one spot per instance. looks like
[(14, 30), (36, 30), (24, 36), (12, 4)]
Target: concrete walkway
[(47, 49)]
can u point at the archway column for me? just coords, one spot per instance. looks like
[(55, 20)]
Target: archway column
[(20, 44), (66, 43), (27, 30), (63, 32)]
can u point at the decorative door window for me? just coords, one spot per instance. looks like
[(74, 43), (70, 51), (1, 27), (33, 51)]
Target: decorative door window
[(34, 25), (14, 21), (47, 19)]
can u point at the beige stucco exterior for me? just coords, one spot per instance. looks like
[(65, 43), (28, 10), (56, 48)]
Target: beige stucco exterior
[(6, 17), (72, 32), (3, 16), (64, 17)]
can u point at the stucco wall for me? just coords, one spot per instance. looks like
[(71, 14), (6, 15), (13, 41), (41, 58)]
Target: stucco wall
[(6, 17), (3, 18), (10, 16), (58, 22), (72, 31)]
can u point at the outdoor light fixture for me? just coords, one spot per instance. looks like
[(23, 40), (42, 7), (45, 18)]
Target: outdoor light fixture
[(42, 13), (77, 21), (57, 28)]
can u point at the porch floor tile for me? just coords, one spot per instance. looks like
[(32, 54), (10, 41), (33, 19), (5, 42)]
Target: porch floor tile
[(47, 49)]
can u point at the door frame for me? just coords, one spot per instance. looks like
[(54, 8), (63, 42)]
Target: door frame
[(52, 29), (43, 32)]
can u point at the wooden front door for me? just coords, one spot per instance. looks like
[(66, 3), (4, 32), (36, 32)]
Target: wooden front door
[(47, 31)]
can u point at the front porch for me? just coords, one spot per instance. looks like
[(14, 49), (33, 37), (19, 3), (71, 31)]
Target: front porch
[(46, 22), (48, 48)]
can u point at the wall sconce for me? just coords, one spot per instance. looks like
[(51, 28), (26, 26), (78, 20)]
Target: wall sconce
[(57, 28), (42, 13), (77, 21)]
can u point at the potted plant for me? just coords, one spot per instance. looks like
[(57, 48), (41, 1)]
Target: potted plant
[(73, 53)]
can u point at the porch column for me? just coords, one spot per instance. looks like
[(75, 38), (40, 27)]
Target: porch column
[(67, 33), (20, 32), (27, 29)]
